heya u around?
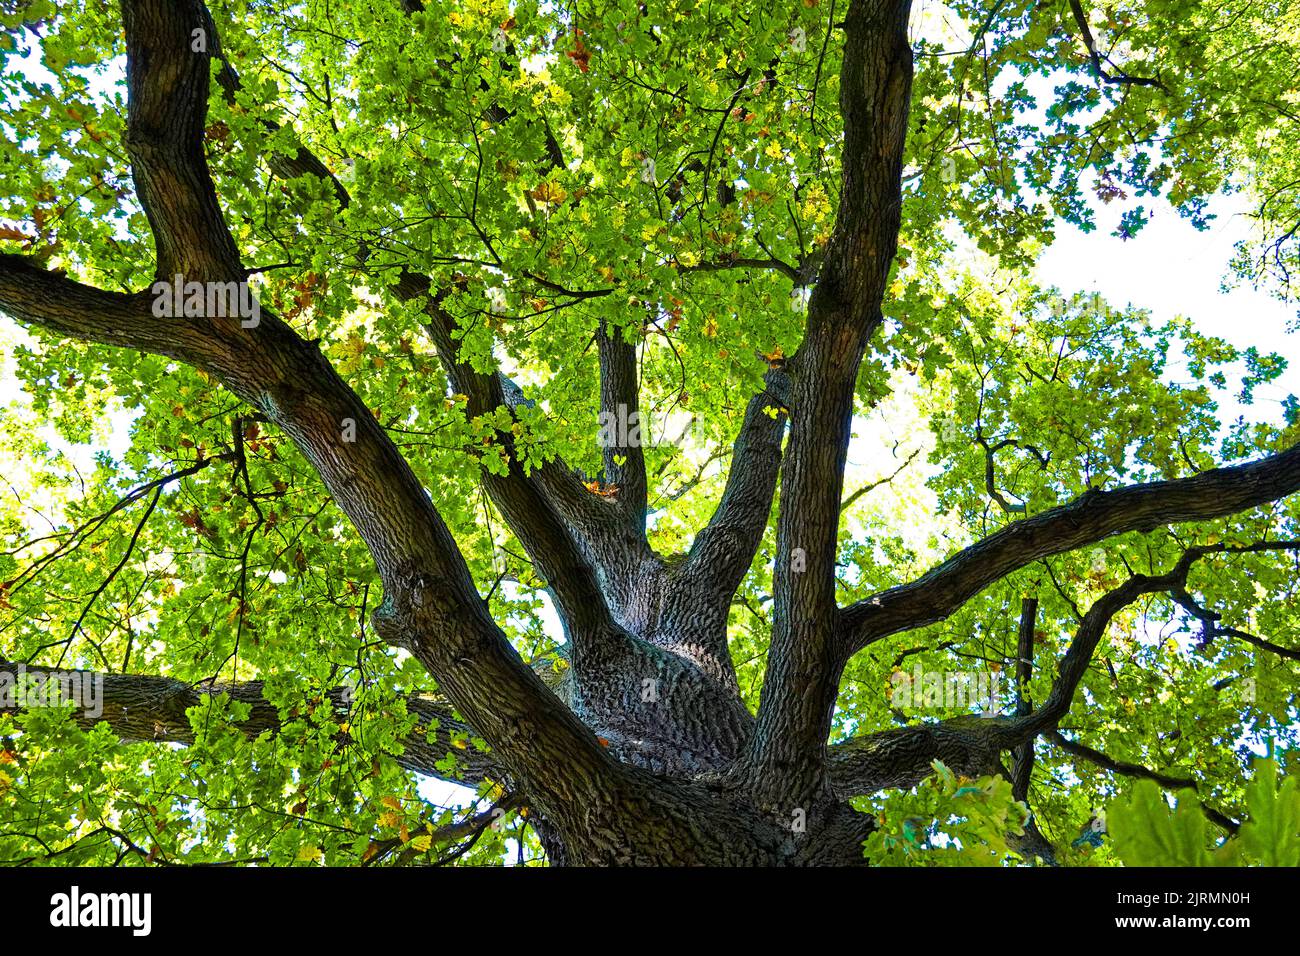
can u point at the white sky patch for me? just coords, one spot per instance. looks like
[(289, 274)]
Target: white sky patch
[(1173, 269)]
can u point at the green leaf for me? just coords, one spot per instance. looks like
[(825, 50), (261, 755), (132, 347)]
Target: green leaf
[(1271, 836)]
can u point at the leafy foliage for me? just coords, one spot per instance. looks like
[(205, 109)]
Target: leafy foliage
[(947, 821), (1148, 833)]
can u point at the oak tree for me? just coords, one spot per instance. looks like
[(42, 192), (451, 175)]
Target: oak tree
[(538, 466)]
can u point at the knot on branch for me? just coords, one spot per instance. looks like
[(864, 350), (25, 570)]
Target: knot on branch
[(394, 627)]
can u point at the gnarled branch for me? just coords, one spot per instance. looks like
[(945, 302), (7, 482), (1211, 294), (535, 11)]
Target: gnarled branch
[(140, 707), (1092, 517)]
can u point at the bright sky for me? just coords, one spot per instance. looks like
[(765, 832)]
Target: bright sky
[(1172, 269)]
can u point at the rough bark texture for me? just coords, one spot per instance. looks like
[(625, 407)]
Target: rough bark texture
[(682, 772)]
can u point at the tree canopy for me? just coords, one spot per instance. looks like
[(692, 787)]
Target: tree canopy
[(650, 421)]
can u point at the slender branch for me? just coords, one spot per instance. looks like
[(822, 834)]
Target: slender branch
[(1211, 628), (990, 479), (1081, 20), (1096, 622), (900, 757), (744, 262), (1023, 768), (1075, 749), (871, 486)]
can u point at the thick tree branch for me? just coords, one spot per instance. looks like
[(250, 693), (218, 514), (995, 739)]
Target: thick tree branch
[(139, 707), (529, 511), (592, 518), (787, 755), (167, 104), (900, 757), (697, 594), (35, 296), (619, 402), (724, 549), (1092, 517)]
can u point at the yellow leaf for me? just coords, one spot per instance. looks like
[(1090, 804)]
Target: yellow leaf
[(354, 345), (392, 803), (549, 193), (422, 843), (309, 854)]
